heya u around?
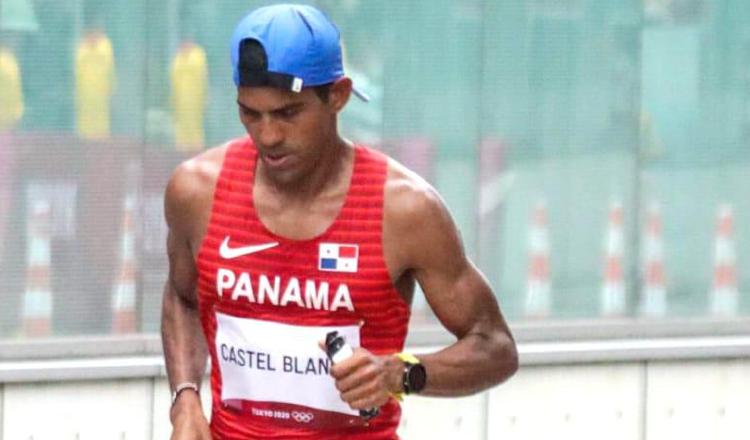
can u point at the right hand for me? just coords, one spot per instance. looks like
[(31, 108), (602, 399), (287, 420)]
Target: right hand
[(188, 421)]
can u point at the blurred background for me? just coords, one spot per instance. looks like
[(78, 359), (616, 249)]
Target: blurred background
[(594, 153)]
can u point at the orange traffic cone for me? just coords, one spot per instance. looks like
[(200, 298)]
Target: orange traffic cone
[(37, 304), (124, 289), (613, 289), (724, 294), (538, 285), (654, 281)]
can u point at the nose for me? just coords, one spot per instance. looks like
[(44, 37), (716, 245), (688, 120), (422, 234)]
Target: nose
[(268, 133)]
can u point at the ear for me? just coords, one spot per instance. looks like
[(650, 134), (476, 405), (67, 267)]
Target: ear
[(341, 91)]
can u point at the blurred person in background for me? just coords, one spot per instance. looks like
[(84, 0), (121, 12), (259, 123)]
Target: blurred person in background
[(278, 238), (11, 90), (11, 112), (95, 83), (189, 77)]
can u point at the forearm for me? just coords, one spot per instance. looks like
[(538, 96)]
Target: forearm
[(474, 363), (184, 346)]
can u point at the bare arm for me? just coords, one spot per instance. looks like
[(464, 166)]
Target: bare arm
[(485, 352), (185, 350), (421, 241)]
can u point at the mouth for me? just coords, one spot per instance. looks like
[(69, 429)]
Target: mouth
[(275, 160)]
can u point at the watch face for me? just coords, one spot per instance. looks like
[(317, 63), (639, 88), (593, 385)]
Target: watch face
[(417, 378)]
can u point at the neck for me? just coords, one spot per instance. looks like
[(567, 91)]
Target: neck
[(325, 176)]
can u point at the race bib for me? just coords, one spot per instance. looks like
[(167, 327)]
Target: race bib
[(278, 371)]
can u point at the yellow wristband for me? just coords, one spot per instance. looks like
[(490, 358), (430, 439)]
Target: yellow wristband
[(407, 357)]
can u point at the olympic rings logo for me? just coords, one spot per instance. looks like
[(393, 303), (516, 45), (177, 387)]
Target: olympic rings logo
[(302, 417)]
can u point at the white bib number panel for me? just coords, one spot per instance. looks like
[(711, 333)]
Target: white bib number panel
[(276, 370)]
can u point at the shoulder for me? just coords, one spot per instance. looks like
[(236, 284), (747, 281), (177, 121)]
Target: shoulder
[(191, 185), (408, 197), (192, 176), (416, 218)]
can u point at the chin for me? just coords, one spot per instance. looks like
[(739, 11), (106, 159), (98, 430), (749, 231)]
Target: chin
[(286, 178)]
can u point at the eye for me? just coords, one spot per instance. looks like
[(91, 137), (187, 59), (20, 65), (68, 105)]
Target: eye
[(251, 114), (288, 113)]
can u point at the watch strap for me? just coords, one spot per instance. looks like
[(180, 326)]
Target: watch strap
[(408, 359)]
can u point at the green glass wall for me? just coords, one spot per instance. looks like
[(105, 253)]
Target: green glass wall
[(575, 107)]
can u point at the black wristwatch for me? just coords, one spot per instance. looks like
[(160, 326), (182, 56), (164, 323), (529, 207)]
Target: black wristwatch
[(415, 375)]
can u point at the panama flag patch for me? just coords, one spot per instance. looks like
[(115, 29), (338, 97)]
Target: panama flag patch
[(335, 257)]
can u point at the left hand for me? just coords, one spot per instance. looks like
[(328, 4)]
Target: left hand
[(366, 380)]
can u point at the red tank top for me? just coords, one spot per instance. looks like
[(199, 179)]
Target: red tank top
[(265, 300)]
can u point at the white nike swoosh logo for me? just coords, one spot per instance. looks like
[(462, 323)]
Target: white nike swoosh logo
[(228, 253)]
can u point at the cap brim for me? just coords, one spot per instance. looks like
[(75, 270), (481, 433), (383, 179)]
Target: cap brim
[(361, 95)]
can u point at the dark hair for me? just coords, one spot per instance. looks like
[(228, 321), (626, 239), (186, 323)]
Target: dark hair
[(323, 91), (253, 70)]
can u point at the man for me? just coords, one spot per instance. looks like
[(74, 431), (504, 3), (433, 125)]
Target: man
[(11, 112), (95, 84), (279, 238), (11, 92), (189, 75)]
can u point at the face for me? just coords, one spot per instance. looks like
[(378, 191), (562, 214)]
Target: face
[(291, 130)]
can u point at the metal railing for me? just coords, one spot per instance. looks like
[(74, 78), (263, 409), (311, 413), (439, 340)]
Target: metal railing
[(560, 343)]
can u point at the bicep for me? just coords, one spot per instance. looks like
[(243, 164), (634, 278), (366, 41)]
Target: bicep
[(455, 289), (183, 274), (460, 296)]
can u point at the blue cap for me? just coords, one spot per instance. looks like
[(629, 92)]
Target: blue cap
[(288, 46)]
